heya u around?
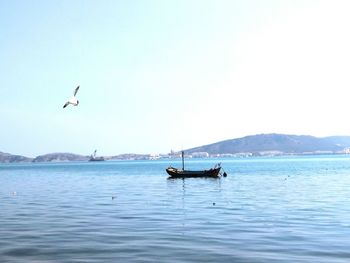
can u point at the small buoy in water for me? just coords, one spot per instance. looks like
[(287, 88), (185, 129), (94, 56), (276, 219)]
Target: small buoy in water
[(213, 203), (113, 197)]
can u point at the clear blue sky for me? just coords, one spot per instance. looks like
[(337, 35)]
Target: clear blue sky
[(162, 75)]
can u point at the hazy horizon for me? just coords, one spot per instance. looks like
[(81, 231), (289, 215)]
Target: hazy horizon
[(162, 75)]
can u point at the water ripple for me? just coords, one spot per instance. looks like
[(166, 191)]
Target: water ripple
[(266, 210)]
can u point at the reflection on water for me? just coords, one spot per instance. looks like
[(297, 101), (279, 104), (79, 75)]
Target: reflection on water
[(266, 210)]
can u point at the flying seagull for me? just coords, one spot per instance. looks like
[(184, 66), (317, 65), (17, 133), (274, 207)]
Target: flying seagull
[(73, 100)]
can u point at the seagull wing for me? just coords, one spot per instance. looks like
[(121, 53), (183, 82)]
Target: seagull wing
[(76, 90), (65, 105)]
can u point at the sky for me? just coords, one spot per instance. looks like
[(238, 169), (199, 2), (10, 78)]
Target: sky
[(157, 76)]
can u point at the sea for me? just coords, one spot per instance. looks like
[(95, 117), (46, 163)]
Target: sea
[(267, 209)]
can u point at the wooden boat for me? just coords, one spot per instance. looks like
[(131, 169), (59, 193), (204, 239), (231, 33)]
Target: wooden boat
[(93, 158), (178, 173), (182, 173)]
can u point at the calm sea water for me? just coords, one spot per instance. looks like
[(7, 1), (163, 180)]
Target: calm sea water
[(290, 209)]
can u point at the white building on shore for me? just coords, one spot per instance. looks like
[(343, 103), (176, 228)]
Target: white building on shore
[(200, 155)]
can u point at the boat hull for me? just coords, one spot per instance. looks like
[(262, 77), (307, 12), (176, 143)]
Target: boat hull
[(177, 173), (97, 159)]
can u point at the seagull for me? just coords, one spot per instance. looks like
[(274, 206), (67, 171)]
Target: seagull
[(73, 100)]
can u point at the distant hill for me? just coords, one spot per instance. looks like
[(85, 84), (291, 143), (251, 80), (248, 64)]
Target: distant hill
[(292, 144), (60, 157), (260, 144), (10, 158)]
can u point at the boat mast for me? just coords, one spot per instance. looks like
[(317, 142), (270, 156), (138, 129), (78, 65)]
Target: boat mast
[(183, 161)]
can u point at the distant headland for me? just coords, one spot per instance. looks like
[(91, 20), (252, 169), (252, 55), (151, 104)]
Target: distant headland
[(255, 145)]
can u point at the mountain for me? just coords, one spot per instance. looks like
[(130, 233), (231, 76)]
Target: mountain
[(253, 145), (288, 144), (10, 158), (60, 157)]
